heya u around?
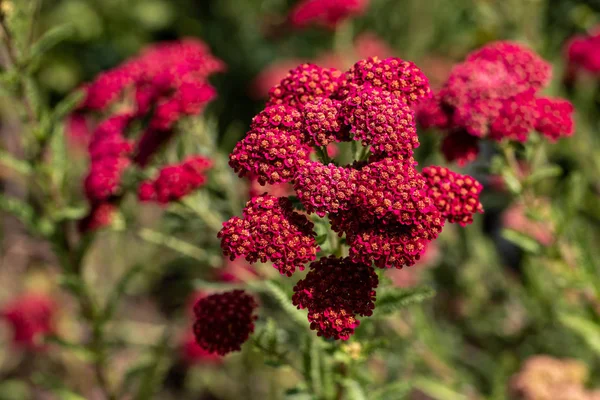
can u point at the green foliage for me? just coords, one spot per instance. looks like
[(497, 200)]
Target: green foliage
[(391, 300)]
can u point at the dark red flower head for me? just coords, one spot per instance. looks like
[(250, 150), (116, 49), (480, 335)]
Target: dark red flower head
[(456, 196), (335, 291), (224, 321), (31, 317), (270, 231)]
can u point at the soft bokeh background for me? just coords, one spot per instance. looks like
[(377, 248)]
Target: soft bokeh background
[(497, 304)]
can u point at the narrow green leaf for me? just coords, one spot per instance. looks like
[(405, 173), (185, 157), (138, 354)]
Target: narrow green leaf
[(512, 183), (174, 244), (393, 391), (437, 390), (391, 300), (521, 240), (589, 331), (68, 104), (116, 295), (51, 38), (15, 164), (284, 301), (543, 173)]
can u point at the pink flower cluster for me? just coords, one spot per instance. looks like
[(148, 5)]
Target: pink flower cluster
[(494, 94), (141, 101), (335, 291), (328, 13), (175, 181), (456, 196), (583, 53), (224, 321), (381, 204), (31, 317)]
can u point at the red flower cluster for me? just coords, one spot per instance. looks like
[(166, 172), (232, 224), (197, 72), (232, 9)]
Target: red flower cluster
[(381, 203), (493, 94), (335, 291), (328, 13), (164, 83), (270, 231), (324, 189), (303, 84), (224, 321), (175, 181), (555, 119), (456, 196), (31, 318), (583, 53)]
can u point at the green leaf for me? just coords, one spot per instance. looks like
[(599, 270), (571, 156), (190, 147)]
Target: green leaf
[(116, 295), (393, 391), (521, 240), (543, 173), (437, 390), (15, 164), (589, 331), (391, 300), (283, 299), (153, 376), (51, 38), (174, 244), (68, 104), (322, 239), (512, 183), (21, 210), (353, 390)]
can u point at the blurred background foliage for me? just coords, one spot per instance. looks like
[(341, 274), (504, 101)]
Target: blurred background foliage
[(497, 304)]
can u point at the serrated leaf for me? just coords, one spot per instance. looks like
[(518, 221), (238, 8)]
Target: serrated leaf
[(521, 240), (283, 299), (589, 331), (391, 300)]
